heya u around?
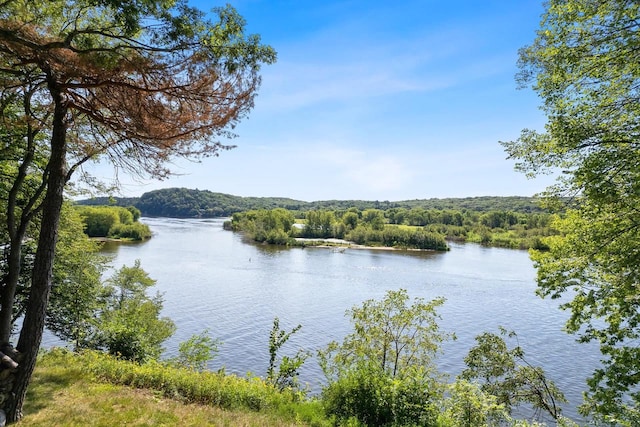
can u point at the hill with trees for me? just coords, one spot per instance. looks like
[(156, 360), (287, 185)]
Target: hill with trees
[(194, 203)]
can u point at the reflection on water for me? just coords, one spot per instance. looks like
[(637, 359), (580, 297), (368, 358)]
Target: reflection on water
[(213, 280)]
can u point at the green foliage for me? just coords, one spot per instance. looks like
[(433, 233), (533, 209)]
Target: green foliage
[(135, 331), (383, 372), (350, 220), (128, 283), (135, 231), (206, 388), (584, 65), (374, 398), (98, 221), (388, 333), (135, 212), (183, 202), (77, 287), (130, 324), (320, 224), (373, 218), (499, 219), (596, 261), (273, 226), (363, 235), (505, 374), (114, 222), (418, 238), (197, 351), (125, 216), (459, 219), (468, 405), (411, 229), (372, 231), (286, 376)]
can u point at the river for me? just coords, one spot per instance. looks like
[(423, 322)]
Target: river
[(213, 279)]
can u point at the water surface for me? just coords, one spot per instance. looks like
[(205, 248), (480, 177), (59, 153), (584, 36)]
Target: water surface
[(212, 279)]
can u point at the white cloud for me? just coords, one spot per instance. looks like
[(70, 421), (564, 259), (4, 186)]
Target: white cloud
[(361, 172), (379, 174), (330, 67)]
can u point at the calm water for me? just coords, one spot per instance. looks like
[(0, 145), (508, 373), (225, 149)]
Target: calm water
[(212, 279)]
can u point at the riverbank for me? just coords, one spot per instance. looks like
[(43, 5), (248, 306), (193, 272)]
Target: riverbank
[(341, 244)]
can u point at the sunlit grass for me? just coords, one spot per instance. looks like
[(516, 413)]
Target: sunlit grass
[(404, 226), (66, 395)]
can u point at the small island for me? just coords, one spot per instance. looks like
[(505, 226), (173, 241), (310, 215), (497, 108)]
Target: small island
[(392, 229), (324, 228)]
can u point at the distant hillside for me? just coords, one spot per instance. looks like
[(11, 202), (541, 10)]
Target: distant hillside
[(187, 203)]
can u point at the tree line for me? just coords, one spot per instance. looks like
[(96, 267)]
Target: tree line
[(415, 228), (193, 203)]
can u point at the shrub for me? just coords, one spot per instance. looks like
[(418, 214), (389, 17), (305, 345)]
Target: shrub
[(277, 237), (286, 376), (374, 397), (133, 231), (125, 215), (135, 331), (113, 221), (135, 212), (208, 388), (197, 351), (362, 393), (98, 221), (383, 373), (468, 405)]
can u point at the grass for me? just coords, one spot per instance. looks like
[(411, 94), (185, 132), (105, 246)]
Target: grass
[(68, 395)]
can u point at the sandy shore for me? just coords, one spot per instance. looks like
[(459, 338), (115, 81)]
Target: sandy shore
[(346, 244)]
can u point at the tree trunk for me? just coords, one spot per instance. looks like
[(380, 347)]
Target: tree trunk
[(7, 296), (33, 324), (17, 229)]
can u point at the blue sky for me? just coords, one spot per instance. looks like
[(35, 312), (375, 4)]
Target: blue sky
[(378, 100)]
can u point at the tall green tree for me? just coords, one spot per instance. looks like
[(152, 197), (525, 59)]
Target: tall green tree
[(383, 373), (130, 325), (392, 333), (138, 82), (319, 223), (77, 290), (585, 65), (128, 283), (22, 165), (374, 218)]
